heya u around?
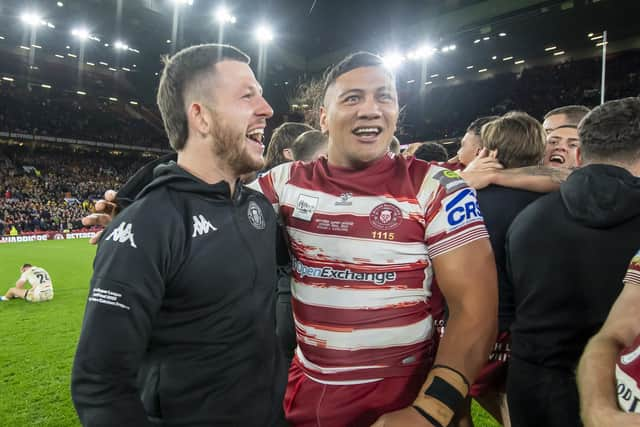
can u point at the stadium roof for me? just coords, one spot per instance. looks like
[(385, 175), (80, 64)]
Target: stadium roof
[(309, 35)]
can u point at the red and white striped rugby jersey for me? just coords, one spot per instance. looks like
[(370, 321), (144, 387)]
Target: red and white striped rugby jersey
[(633, 274), (362, 276)]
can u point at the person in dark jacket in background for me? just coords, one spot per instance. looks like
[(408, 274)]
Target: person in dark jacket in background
[(179, 324), (567, 254), (519, 140)]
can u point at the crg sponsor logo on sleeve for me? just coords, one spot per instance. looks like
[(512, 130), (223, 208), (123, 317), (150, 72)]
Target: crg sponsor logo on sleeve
[(461, 208)]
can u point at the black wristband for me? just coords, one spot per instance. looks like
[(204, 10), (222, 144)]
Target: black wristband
[(454, 370), (444, 392), (427, 416)]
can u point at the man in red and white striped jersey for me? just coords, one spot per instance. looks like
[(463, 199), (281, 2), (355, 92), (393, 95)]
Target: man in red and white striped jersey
[(597, 371), (370, 234)]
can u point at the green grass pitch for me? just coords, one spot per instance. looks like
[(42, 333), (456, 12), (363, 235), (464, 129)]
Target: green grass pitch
[(38, 341)]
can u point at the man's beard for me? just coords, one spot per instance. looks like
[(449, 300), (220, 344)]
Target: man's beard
[(230, 146)]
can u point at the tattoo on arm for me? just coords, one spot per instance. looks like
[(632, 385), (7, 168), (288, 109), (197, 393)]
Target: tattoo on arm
[(557, 175)]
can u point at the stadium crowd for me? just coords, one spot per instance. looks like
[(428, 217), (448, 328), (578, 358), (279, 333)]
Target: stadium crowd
[(51, 189), (534, 90), (64, 114)]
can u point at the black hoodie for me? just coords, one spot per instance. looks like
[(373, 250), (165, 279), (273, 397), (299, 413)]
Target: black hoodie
[(179, 325), (567, 254)]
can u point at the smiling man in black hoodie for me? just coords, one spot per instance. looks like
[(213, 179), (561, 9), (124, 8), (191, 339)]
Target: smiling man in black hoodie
[(179, 325), (567, 254)]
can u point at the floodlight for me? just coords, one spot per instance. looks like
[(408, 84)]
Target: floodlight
[(223, 16), (393, 60), (422, 52), (80, 33), (181, 2), (264, 34), (119, 45), (32, 19)]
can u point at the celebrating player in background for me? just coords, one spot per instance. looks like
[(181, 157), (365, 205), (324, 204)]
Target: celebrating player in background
[(597, 368), (561, 127), (40, 281), (567, 254)]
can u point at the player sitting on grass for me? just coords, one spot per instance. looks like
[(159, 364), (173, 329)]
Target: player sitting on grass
[(40, 281)]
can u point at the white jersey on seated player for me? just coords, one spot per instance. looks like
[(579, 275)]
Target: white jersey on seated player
[(608, 378), (40, 281)]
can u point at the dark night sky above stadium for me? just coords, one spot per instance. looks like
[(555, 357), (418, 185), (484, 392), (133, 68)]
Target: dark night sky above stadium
[(309, 35)]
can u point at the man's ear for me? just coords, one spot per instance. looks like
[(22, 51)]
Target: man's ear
[(579, 158), (287, 153), (199, 118), (324, 125)]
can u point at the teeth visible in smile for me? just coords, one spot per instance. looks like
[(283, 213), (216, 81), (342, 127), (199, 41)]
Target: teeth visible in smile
[(256, 135), (361, 131), (556, 158)]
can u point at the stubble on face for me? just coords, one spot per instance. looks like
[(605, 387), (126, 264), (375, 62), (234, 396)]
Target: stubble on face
[(230, 146)]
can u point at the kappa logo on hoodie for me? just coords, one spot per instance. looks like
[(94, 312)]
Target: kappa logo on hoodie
[(201, 226), (123, 234)]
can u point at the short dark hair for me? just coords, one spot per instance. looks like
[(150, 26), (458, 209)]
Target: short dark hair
[(574, 113), (612, 132), (180, 72), (282, 138), (476, 126), (26, 266), (307, 144), (351, 62), (431, 152)]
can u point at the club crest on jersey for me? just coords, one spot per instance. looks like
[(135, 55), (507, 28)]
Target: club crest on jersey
[(305, 207), (385, 216), (254, 213)]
